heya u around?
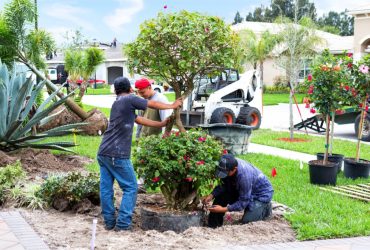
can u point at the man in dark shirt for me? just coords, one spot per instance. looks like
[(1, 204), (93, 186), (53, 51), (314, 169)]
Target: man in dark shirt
[(115, 150), (243, 187)]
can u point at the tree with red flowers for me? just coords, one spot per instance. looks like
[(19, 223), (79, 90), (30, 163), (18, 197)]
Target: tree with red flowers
[(360, 73), (328, 89), (182, 165)]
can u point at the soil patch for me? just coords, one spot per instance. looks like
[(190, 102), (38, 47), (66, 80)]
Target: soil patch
[(69, 230), (40, 163), (293, 140)]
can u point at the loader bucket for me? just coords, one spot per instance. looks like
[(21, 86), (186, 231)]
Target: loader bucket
[(235, 137)]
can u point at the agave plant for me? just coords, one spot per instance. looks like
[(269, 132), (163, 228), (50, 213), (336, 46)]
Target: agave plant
[(17, 96)]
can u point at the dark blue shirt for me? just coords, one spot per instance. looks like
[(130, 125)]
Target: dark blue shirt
[(250, 183), (117, 138)]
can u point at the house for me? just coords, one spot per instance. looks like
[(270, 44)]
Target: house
[(361, 40), (358, 44), (115, 63)]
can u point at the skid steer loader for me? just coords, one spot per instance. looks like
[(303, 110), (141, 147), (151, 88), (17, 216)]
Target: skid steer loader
[(228, 98)]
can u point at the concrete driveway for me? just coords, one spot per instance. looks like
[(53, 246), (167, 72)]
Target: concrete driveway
[(275, 117)]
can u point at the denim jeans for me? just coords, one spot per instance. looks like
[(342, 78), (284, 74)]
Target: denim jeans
[(121, 170)]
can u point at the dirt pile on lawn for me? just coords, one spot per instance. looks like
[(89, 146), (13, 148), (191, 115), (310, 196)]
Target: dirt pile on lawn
[(39, 163), (70, 230)]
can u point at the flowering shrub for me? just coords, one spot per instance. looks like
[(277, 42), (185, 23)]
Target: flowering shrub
[(329, 85), (360, 74), (180, 164), (329, 88)]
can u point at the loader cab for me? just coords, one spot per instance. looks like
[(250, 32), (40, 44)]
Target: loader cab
[(206, 85)]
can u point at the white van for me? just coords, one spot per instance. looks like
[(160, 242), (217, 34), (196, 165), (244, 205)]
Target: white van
[(53, 75)]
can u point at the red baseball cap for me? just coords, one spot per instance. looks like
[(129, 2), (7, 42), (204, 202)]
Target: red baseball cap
[(142, 83)]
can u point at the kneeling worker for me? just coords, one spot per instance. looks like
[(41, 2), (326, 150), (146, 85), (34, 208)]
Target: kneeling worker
[(243, 187)]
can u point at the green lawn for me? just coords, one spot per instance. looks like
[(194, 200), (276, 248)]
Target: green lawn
[(318, 214), (100, 91), (268, 99), (170, 96), (274, 99), (106, 111), (315, 144)]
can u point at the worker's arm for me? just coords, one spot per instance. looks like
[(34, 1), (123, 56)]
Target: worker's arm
[(160, 105), (150, 123)]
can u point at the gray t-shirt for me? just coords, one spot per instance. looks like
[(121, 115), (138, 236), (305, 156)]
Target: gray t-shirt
[(117, 139)]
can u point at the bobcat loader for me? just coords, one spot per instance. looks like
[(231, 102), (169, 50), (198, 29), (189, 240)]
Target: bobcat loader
[(228, 98)]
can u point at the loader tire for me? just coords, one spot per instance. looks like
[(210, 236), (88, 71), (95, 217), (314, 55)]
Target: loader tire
[(366, 127), (223, 115), (249, 116)]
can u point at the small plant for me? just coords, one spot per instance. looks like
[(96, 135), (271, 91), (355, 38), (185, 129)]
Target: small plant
[(72, 188), (26, 196), (9, 176), (181, 165)]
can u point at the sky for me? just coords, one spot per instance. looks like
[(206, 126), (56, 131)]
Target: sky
[(105, 20)]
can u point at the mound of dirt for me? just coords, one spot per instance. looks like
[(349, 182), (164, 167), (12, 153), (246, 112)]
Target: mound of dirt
[(73, 231), (39, 163)]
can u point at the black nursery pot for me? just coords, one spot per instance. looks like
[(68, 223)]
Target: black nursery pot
[(321, 174), (354, 170), (165, 221), (333, 158)]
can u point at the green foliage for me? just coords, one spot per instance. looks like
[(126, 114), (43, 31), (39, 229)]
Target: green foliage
[(26, 196), (257, 49), (179, 164), (298, 44), (21, 43), (328, 85), (330, 29), (237, 18), (72, 187), (9, 176), (17, 97), (360, 76), (178, 46), (342, 22)]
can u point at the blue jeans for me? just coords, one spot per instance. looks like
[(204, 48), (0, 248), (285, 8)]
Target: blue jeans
[(121, 170)]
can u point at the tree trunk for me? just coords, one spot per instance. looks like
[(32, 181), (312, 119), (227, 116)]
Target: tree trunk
[(262, 86), (83, 87), (332, 133), (71, 104), (327, 139), (291, 126), (361, 127)]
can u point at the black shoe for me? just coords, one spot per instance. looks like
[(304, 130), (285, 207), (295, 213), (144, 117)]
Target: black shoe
[(108, 228), (120, 229)]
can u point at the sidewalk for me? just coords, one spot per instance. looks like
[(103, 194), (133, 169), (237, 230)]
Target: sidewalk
[(258, 148), (17, 234)]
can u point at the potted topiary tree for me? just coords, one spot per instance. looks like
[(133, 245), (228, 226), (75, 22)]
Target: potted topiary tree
[(175, 48), (182, 166), (326, 88), (356, 167)]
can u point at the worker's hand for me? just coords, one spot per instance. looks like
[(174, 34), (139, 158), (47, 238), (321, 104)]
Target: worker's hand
[(207, 199), (177, 103), (217, 209), (165, 121)]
